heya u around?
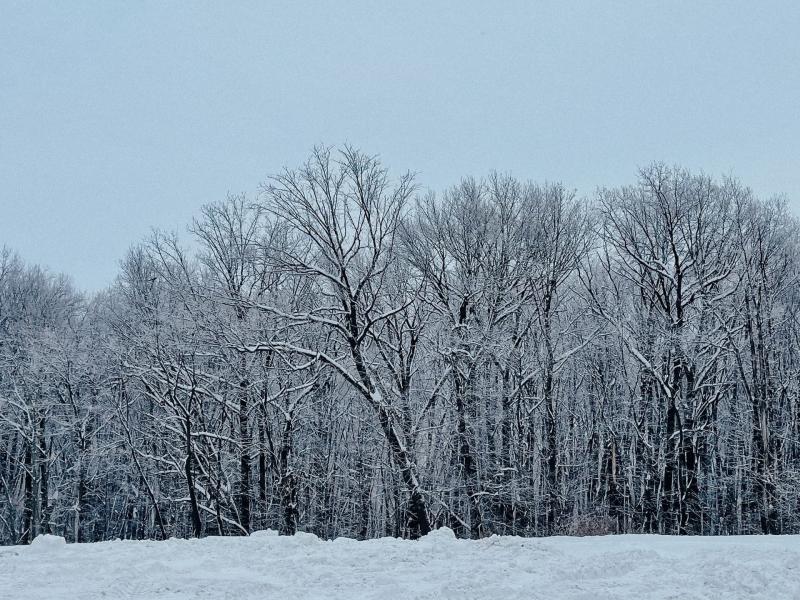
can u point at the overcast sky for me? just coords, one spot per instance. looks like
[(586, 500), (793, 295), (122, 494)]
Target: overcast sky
[(118, 117)]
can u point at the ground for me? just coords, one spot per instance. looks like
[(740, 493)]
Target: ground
[(267, 566)]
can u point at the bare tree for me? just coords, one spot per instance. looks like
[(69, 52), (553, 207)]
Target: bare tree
[(345, 213), (333, 357)]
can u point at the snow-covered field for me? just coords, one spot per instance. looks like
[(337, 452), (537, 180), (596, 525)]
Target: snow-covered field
[(438, 566)]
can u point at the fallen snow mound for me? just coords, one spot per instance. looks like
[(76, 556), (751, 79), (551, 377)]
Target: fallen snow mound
[(265, 565), (47, 543)]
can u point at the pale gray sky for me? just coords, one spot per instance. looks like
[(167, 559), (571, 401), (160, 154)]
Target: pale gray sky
[(118, 117)]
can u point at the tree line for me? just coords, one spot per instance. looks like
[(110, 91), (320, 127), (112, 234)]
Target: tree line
[(347, 355)]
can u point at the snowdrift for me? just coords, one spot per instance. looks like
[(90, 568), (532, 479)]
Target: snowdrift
[(265, 565)]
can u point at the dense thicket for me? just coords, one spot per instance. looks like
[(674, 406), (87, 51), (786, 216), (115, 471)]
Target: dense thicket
[(346, 356)]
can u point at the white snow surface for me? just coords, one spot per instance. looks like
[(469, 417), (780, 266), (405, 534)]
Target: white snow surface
[(265, 565)]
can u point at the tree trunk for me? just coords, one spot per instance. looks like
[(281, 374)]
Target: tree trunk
[(244, 457), (288, 481), (197, 524)]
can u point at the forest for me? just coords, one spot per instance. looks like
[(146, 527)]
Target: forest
[(345, 353)]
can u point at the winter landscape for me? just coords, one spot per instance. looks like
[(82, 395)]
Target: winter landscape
[(528, 326)]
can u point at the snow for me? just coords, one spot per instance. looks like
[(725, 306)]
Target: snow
[(265, 565), (44, 544)]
